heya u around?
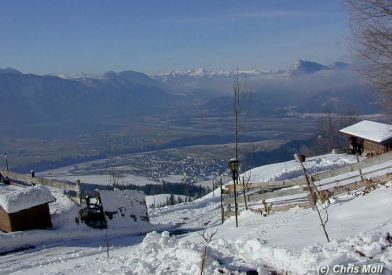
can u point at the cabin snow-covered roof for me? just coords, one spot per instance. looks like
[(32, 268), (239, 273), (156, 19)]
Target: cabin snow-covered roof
[(13, 200), (370, 130), (127, 207)]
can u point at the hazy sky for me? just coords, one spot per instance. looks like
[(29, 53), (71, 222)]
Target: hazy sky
[(93, 36)]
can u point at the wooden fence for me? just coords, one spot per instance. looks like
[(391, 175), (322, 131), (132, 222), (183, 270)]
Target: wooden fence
[(275, 196), (69, 188)]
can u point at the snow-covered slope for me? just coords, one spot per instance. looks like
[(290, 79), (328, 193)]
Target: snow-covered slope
[(161, 199), (291, 241)]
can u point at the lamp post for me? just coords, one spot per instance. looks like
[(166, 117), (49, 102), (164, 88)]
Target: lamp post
[(6, 161), (233, 165)]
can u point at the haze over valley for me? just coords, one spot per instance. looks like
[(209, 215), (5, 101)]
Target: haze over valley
[(50, 121)]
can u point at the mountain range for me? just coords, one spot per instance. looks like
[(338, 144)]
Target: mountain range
[(306, 87), (299, 67), (28, 98)]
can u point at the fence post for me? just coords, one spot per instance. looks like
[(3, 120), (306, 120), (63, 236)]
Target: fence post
[(78, 199), (313, 191), (221, 199), (360, 171)]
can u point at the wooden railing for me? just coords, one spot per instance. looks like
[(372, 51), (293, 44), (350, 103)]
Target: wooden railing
[(292, 192), (69, 188)]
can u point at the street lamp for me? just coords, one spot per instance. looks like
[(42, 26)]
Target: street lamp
[(233, 165)]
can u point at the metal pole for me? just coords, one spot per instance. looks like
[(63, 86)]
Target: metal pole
[(221, 199), (6, 161), (235, 179)]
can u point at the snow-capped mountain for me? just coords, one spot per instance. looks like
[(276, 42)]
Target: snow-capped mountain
[(305, 67), (300, 67), (9, 71), (80, 75), (199, 73)]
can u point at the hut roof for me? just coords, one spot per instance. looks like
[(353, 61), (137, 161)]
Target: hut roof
[(13, 200), (370, 130)]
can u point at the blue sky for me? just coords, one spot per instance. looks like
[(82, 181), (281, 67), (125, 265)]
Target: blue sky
[(95, 36)]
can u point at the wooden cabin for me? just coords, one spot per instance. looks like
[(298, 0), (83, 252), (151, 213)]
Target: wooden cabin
[(370, 138), (24, 208)]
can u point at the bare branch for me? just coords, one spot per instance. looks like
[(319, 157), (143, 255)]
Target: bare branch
[(371, 25), (208, 236)]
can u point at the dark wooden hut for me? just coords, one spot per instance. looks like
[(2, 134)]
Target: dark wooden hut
[(370, 138)]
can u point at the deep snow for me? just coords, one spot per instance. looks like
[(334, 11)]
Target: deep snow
[(289, 241), (14, 199)]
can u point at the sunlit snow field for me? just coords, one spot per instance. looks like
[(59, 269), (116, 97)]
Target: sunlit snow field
[(290, 241)]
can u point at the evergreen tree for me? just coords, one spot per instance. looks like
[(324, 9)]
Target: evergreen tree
[(172, 200)]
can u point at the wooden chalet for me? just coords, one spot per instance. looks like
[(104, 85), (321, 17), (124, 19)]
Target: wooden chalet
[(24, 208), (369, 137)]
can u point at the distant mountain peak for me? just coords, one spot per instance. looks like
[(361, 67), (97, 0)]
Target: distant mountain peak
[(110, 75), (201, 73), (9, 70), (80, 75), (305, 67)]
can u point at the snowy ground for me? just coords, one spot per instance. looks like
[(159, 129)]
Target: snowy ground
[(290, 241), (161, 199)]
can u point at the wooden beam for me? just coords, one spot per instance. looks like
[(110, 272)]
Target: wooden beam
[(354, 176), (229, 188), (281, 208), (268, 195), (353, 167), (337, 190), (296, 191), (268, 185), (67, 186), (275, 209)]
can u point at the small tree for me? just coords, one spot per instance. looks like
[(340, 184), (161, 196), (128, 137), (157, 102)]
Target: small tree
[(241, 99), (328, 135), (246, 177), (172, 200), (208, 236), (314, 195), (167, 201)]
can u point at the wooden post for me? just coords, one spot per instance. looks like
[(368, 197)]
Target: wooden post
[(314, 194), (213, 187), (203, 261), (221, 199), (78, 198), (360, 171)]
